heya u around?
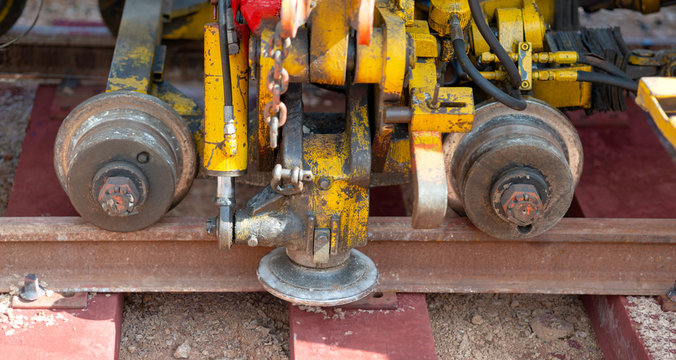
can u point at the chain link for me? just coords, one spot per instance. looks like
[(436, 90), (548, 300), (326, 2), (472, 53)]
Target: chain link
[(277, 83)]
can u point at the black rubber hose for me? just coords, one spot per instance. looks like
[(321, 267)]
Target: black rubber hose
[(607, 79), (481, 82), (602, 64), (494, 44), (225, 56)]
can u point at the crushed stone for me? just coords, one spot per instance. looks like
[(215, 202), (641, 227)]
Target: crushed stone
[(656, 327)]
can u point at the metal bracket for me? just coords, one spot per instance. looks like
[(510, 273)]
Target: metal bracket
[(526, 65), (53, 300), (429, 180)]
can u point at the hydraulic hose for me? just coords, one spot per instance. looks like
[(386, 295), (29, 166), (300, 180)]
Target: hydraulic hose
[(494, 44), (225, 56), (481, 82), (602, 64), (607, 79)]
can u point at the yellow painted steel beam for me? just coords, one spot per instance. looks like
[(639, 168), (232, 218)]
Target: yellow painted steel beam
[(510, 28), (441, 12), (453, 110), (425, 43), (217, 160), (339, 199), (262, 133), (137, 41), (369, 66), (329, 42), (657, 96), (429, 180), (391, 82), (190, 26)]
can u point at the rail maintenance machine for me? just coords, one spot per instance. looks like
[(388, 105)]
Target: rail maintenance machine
[(461, 99)]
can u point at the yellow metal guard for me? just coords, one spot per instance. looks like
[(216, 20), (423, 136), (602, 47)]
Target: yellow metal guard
[(217, 160)]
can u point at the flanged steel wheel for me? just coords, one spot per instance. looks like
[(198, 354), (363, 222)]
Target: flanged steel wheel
[(345, 283), (124, 159), (514, 174)]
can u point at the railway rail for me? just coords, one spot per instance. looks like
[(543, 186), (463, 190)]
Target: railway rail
[(578, 256)]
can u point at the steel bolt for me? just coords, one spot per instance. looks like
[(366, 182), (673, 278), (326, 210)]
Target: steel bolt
[(525, 84), (324, 183), (253, 241), (118, 196), (211, 226), (525, 46), (672, 293), (521, 204), (143, 157), (31, 289)]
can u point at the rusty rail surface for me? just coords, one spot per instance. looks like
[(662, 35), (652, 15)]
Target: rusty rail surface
[(578, 256)]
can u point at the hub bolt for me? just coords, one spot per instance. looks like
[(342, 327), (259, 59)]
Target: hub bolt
[(119, 196), (521, 204)]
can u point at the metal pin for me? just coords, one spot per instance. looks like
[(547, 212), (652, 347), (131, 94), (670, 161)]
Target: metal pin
[(274, 132), (434, 103)]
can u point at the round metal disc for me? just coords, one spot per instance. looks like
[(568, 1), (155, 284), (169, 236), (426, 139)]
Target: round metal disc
[(298, 284), (160, 186), (135, 107), (492, 109), (535, 154)]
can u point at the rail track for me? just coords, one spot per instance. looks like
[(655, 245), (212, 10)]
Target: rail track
[(578, 256)]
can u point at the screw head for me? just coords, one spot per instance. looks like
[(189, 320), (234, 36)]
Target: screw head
[(525, 84), (253, 241), (118, 196), (233, 48), (521, 204), (143, 157), (324, 183), (525, 46)]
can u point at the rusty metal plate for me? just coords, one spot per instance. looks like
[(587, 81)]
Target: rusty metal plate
[(53, 301), (578, 256), (375, 301)]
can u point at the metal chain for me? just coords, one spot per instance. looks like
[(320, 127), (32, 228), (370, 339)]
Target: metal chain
[(278, 82)]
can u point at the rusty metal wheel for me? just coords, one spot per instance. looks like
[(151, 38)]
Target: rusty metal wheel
[(124, 159), (514, 174)]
